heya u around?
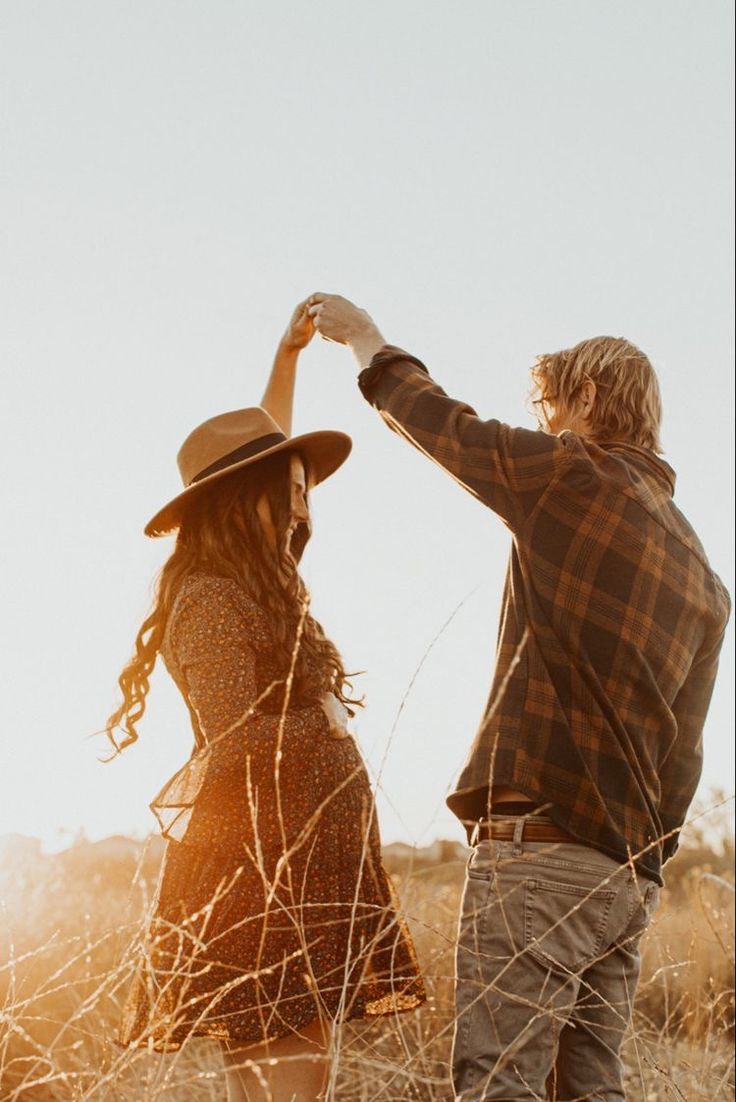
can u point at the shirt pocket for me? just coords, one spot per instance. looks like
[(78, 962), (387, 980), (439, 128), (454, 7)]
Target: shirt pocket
[(564, 924)]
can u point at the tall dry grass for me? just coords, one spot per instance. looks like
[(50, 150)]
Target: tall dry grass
[(69, 922)]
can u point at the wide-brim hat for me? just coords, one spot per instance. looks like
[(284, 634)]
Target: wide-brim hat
[(232, 441)]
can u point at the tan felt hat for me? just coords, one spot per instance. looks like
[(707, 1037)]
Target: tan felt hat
[(231, 441)]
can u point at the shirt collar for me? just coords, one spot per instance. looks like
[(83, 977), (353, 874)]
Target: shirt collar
[(646, 462)]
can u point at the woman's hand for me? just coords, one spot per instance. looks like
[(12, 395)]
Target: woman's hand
[(278, 397), (337, 715), (300, 329)]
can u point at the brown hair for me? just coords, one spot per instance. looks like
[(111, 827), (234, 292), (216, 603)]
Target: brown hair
[(627, 403), (221, 534)]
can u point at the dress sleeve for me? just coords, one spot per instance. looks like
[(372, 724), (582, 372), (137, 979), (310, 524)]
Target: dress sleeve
[(215, 637), (506, 468)]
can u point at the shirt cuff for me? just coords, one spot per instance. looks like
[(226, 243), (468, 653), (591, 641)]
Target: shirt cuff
[(370, 376)]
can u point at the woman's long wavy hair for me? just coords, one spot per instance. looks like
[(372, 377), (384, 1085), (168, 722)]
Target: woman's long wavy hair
[(221, 533)]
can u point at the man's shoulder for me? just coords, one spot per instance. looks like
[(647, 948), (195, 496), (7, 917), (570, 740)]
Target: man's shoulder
[(635, 487)]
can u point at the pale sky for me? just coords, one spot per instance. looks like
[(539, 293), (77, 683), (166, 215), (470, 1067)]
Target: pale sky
[(490, 179)]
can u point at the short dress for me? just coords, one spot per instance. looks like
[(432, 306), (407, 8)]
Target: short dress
[(273, 908)]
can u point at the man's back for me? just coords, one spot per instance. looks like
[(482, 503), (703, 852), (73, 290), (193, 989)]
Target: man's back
[(611, 625), (603, 712)]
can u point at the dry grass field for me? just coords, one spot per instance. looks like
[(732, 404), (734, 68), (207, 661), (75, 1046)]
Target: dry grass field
[(68, 921)]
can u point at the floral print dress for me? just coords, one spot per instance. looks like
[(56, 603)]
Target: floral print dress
[(273, 908)]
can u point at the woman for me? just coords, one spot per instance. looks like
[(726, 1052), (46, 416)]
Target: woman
[(274, 917)]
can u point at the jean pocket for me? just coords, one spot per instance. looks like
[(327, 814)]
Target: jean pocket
[(480, 862), (642, 908), (564, 924)]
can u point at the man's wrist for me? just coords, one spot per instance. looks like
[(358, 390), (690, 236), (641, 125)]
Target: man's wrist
[(366, 343)]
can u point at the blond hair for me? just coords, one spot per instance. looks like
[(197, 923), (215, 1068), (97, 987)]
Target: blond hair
[(627, 405)]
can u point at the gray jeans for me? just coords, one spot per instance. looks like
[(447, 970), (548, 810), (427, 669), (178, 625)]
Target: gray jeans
[(547, 968)]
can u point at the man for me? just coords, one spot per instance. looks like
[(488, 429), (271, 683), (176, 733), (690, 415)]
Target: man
[(589, 753)]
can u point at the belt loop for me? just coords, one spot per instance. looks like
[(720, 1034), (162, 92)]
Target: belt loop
[(518, 835)]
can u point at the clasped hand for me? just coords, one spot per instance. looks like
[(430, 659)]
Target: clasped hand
[(338, 319), (335, 319)]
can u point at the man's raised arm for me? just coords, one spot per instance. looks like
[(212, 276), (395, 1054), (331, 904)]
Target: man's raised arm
[(508, 469)]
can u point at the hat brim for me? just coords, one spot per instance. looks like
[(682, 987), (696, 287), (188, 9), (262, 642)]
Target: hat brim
[(323, 452)]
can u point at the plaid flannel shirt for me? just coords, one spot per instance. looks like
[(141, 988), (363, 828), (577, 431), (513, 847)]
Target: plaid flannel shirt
[(602, 711)]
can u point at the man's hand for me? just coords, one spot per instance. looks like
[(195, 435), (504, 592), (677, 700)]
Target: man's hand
[(300, 329), (337, 715), (338, 319)]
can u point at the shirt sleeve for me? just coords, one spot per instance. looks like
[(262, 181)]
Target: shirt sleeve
[(215, 639), (681, 771), (506, 468)]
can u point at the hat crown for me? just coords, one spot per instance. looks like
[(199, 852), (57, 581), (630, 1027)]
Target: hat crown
[(227, 435)]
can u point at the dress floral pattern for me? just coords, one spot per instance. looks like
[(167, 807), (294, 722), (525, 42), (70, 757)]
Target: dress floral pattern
[(273, 908)]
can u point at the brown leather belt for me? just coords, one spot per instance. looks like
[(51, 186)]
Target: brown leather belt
[(503, 831)]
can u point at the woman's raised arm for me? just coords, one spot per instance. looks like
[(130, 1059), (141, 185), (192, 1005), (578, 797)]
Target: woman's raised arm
[(278, 397)]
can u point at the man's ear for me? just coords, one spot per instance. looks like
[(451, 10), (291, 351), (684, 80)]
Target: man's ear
[(587, 397)]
